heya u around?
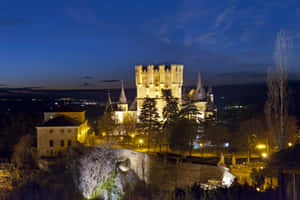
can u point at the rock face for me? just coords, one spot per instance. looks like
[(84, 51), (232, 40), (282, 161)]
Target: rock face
[(110, 173), (107, 172)]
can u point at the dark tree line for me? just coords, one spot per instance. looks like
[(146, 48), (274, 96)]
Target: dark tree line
[(13, 126)]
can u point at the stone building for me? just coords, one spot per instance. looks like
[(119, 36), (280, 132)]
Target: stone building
[(152, 80), (203, 101), (59, 131)]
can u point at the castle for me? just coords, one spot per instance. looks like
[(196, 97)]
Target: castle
[(152, 80)]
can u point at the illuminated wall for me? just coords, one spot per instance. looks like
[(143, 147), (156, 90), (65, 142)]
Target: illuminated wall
[(151, 80), (52, 140)]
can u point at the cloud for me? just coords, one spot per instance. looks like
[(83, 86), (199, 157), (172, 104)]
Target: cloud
[(87, 77), (85, 84), (83, 15), (109, 81), (225, 18), (3, 85)]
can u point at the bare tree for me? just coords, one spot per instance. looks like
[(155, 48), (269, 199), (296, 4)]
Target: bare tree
[(276, 107)]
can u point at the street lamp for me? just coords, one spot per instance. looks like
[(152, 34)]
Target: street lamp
[(264, 155)]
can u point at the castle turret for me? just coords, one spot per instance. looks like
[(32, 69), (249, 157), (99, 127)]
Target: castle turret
[(210, 95), (199, 94), (108, 103), (122, 105), (123, 99)]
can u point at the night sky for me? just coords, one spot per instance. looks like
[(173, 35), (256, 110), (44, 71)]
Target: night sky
[(78, 44)]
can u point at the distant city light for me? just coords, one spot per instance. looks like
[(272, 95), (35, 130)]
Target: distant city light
[(226, 144), (290, 144), (141, 141)]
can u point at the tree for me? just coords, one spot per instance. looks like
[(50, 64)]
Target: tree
[(129, 125), (149, 120), (276, 106), (171, 110), (217, 134), (24, 152), (106, 123), (253, 131), (189, 110), (170, 114), (291, 132), (183, 135)]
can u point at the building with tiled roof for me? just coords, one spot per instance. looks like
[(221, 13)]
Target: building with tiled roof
[(60, 131)]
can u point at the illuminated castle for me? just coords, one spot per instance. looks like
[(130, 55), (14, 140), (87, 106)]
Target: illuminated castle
[(151, 80)]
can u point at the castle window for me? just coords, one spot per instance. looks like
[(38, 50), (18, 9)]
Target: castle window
[(62, 143), (62, 130), (51, 131), (69, 142), (70, 130), (51, 143)]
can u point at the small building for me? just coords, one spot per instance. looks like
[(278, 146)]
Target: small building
[(122, 111), (60, 131)]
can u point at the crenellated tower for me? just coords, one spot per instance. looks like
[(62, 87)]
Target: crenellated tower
[(151, 80)]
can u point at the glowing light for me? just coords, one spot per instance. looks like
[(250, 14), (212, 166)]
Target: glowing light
[(290, 144), (132, 135), (141, 141), (201, 144), (122, 138), (261, 146), (226, 144), (264, 155), (258, 189), (103, 133)]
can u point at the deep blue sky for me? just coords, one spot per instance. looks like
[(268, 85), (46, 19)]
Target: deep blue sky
[(77, 44)]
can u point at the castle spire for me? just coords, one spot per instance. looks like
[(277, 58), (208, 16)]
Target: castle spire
[(200, 92), (108, 103), (123, 99)]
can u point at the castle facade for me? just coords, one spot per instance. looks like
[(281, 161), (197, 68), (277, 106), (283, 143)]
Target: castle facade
[(152, 80)]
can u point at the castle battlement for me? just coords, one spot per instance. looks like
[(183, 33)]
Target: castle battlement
[(159, 74)]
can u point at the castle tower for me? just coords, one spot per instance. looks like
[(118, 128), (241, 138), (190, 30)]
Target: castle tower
[(199, 94), (210, 95), (108, 103), (151, 80), (122, 105)]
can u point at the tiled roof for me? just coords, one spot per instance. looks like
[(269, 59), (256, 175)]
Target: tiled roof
[(61, 121)]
